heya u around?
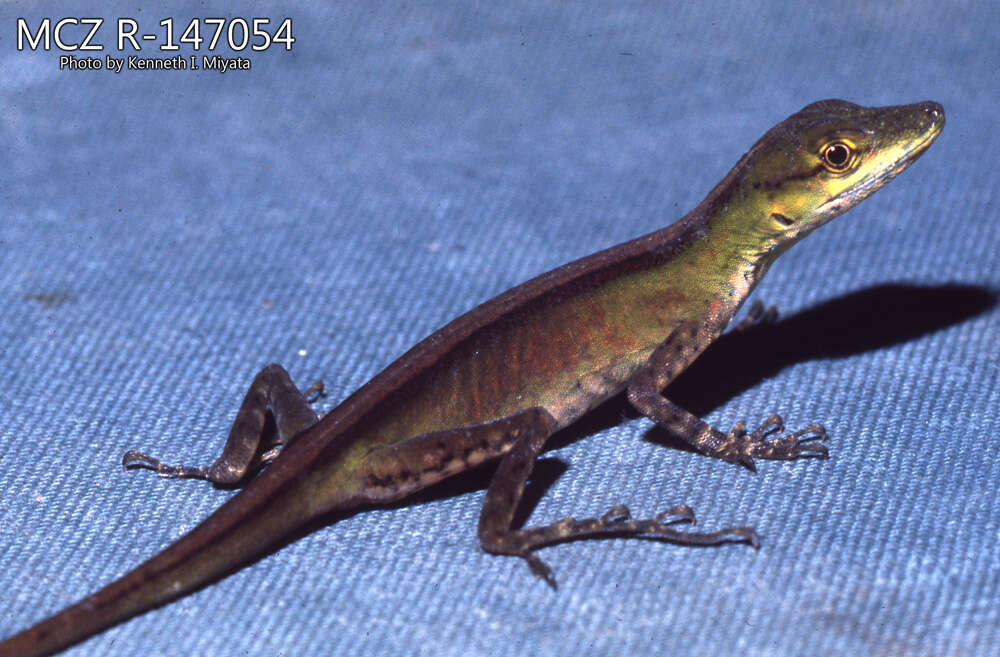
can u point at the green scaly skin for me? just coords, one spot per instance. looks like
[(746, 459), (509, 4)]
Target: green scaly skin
[(496, 382)]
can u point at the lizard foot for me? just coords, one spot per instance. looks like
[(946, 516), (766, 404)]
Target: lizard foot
[(618, 520), (762, 442)]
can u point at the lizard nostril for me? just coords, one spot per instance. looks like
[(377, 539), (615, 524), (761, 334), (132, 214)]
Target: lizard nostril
[(933, 111)]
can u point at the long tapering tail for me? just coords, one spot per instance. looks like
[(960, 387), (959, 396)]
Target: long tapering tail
[(267, 510)]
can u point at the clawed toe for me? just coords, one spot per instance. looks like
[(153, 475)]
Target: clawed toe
[(679, 513), (136, 459), (540, 570), (764, 442), (809, 441), (746, 534), (771, 426), (756, 316), (619, 513)]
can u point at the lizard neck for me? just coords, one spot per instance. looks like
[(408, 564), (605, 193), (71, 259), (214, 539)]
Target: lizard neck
[(725, 254)]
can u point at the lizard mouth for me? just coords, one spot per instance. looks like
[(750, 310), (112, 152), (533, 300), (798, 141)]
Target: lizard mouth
[(936, 114)]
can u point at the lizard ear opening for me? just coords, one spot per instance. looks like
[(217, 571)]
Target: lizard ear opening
[(782, 219)]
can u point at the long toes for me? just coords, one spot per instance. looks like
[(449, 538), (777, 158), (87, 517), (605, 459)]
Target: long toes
[(540, 570), (747, 534), (619, 513), (314, 392), (136, 459), (814, 449), (132, 457), (771, 426), (812, 432), (808, 439), (680, 513)]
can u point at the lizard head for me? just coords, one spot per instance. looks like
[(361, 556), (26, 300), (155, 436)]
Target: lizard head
[(827, 158)]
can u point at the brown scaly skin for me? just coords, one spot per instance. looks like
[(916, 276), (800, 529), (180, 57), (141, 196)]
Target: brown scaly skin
[(499, 380)]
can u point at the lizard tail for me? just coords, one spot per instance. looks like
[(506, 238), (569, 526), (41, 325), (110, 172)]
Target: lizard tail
[(264, 512)]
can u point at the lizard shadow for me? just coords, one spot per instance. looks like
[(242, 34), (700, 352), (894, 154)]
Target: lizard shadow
[(866, 320), (855, 323)]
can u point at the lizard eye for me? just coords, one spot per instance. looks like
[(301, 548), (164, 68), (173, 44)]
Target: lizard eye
[(837, 156)]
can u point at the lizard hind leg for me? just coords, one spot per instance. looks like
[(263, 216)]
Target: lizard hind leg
[(272, 396), (497, 536)]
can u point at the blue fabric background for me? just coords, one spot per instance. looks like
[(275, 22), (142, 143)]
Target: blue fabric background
[(163, 235)]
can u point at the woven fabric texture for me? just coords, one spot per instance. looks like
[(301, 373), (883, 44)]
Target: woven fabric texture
[(165, 234)]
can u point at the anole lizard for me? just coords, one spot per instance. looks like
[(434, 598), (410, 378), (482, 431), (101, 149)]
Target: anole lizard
[(499, 380)]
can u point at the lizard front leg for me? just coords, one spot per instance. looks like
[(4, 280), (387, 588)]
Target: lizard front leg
[(737, 446), (271, 393)]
